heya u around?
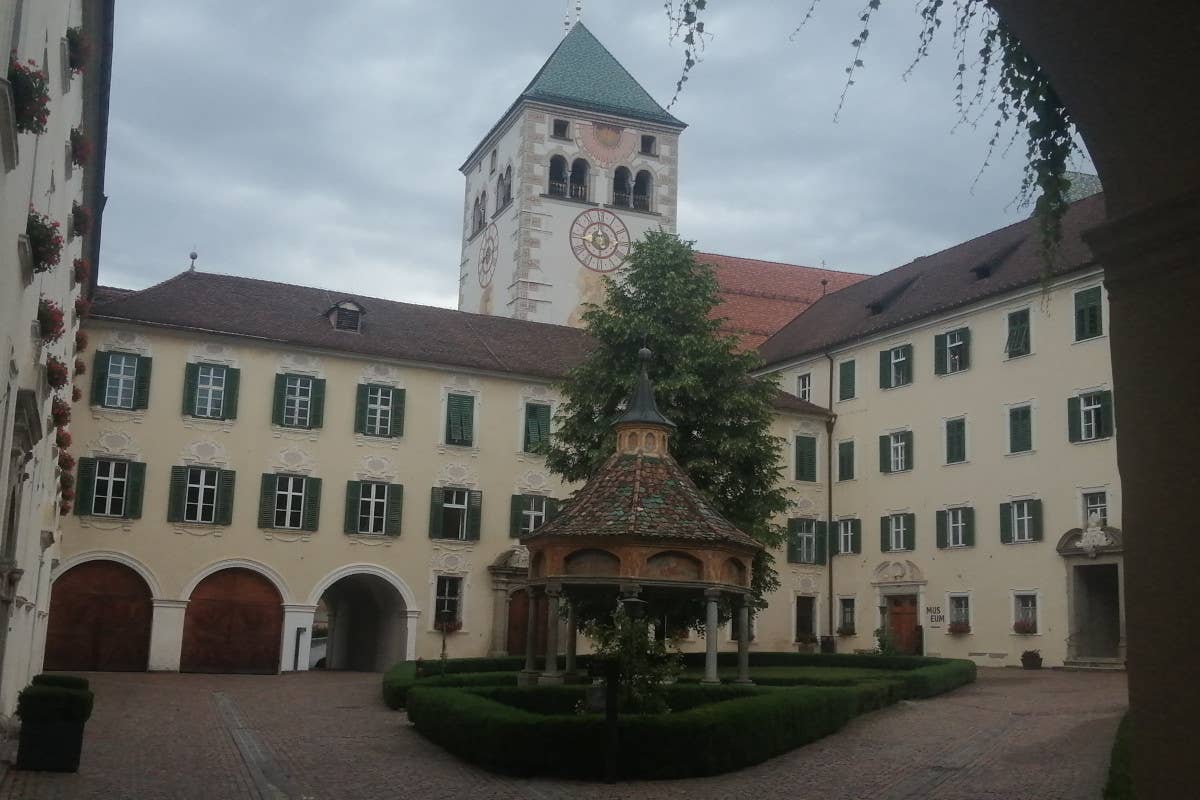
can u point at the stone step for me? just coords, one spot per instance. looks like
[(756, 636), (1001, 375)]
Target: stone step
[(1094, 665)]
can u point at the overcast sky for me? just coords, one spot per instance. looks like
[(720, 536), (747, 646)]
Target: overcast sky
[(318, 143)]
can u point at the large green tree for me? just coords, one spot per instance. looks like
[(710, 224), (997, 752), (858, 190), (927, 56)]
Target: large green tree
[(664, 300)]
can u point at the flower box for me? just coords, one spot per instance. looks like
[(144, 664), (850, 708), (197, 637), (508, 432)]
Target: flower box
[(79, 49), (66, 461), (448, 625), (62, 438), (57, 373), (60, 412), (81, 148), (80, 367), (959, 628), (81, 219), (83, 307), (51, 321), (45, 241), (81, 270), (845, 630), (81, 341), (1025, 627), (31, 96)]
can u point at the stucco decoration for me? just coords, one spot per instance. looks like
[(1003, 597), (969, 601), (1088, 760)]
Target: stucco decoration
[(897, 572), (294, 460), (213, 353), (116, 444), (205, 452), (803, 504), (459, 382), (383, 375), (136, 416), (608, 145), (458, 475), (514, 558), (127, 342), (450, 560), (806, 428), (376, 468), (808, 584), (301, 364), (533, 481), (1092, 541)]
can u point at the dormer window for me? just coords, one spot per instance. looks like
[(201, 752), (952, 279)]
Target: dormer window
[(346, 316), (649, 145), (560, 129)]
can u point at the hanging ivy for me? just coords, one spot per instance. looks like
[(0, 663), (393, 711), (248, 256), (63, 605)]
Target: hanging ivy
[(1006, 79)]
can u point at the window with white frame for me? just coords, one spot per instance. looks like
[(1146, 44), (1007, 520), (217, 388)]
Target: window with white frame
[(289, 501), (1090, 416), (956, 527), (806, 540), (899, 361), (960, 610), (112, 482), (804, 386), (379, 411), (846, 615), (956, 351), (1022, 520), (121, 380), (454, 513), (200, 500), (845, 529), (1095, 504), (533, 513), (896, 531), (210, 391), (1025, 612), (297, 401), (448, 603), (899, 451), (372, 507)]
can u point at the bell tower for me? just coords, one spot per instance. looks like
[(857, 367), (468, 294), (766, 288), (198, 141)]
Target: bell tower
[(579, 167)]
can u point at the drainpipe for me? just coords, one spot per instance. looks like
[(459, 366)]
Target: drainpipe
[(830, 538)]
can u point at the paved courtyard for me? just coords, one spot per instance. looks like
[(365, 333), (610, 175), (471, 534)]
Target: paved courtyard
[(1014, 735)]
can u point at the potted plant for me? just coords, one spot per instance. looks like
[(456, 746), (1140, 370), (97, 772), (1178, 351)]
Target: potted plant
[(62, 438), (81, 219), (79, 49), (66, 461), (83, 307), (81, 341), (806, 642), (51, 321), (56, 372), (45, 240), (76, 394), (845, 630), (31, 96), (80, 366), (60, 412), (81, 148), (81, 269), (53, 710), (959, 627), (1031, 659), (1025, 627)]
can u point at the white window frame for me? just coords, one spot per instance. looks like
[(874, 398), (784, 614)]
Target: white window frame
[(297, 401), (954, 339), (841, 612), (898, 453), (450, 497), (845, 536), (293, 499), (1089, 416), (1022, 520), (115, 496), (804, 386), (896, 532), (210, 390), (897, 358), (204, 481), (1029, 331), (951, 616), (956, 527), (1087, 514), (372, 507), (806, 540), (379, 410), (120, 380), (533, 515), (442, 598), (1037, 610)]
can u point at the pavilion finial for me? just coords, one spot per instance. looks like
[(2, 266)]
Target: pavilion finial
[(642, 407)]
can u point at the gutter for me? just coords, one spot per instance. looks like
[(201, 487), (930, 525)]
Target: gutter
[(829, 537)]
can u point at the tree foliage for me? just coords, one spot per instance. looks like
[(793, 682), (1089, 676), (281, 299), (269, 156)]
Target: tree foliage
[(664, 300)]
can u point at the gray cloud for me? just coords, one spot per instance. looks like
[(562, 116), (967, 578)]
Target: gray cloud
[(319, 143)]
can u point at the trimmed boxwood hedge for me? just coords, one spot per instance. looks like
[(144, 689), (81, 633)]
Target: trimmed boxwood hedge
[(49, 704), (65, 681)]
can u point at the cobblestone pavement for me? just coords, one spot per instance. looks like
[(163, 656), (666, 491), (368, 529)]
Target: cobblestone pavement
[(1014, 735)]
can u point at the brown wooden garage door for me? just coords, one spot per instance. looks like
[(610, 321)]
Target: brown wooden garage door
[(233, 623), (99, 619)]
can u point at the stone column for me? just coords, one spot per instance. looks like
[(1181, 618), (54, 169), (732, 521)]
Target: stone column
[(572, 639), (412, 624), (743, 613), (528, 675), (499, 623), (551, 674), (711, 635), (166, 634)]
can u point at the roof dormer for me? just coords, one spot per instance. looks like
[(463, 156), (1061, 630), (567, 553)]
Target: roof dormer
[(346, 315)]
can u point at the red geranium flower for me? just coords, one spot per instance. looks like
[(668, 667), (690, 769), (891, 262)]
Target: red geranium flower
[(56, 372), (45, 240), (31, 96), (80, 367), (81, 341), (83, 307), (66, 461), (51, 323), (62, 438), (60, 412), (76, 394), (82, 269), (81, 219), (81, 148)]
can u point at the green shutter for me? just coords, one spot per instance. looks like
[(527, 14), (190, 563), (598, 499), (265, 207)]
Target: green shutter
[(910, 531), (1020, 429), (939, 354), (515, 515), (909, 366), (311, 514), (1106, 415), (277, 399), (1074, 423), (956, 441), (1018, 334), (846, 380), (233, 381), (965, 361), (856, 535), (793, 541), (353, 495), (85, 486), (99, 377), (394, 510), (436, 497), (1006, 532), (460, 414), (910, 455), (135, 487), (266, 500), (176, 493), (806, 458), (885, 454), (141, 382), (943, 533), (474, 513), (316, 409), (397, 428), (822, 541), (885, 369), (226, 479), (845, 461), (968, 527), (885, 543), (191, 376), (1088, 314), (1035, 508), (360, 408)]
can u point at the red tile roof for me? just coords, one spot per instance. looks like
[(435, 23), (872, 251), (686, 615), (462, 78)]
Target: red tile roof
[(760, 297)]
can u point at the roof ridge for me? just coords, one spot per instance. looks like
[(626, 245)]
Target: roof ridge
[(783, 263)]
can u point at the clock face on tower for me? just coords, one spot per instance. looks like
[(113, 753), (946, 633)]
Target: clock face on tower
[(488, 251), (600, 240)]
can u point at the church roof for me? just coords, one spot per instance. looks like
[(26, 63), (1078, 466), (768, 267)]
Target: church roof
[(581, 73)]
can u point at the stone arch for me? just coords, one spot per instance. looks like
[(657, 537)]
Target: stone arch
[(592, 561), (110, 555), (410, 599), (100, 617), (254, 566), (674, 565), (366, 610), (233, 622)]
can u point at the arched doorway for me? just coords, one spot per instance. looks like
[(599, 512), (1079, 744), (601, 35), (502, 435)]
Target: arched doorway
[(366, 620), (234, 623), (100, 614)]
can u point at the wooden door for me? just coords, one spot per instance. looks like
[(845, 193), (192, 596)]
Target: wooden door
[(100, 614), (234, 623), (518, 623), (902, 623)]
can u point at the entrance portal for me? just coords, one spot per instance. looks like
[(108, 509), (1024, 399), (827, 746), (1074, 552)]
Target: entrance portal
[(233, 623), (366, 622), (100, 614), (1097, 607), (902, 623)]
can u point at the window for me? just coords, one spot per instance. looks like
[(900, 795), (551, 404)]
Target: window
[(578, 188), (347, 319), (952, 351), (448, 606), (622, 187), (806, 541), (806, 458), (897, 532), (372, 507), (560, 129), (846, 380), (896, 452), (1089, 322), (289, 501), (1021, 521), (956, 441), (200, 498), (1025, 612), (454, 514), (804, 386), (1020, 429), (533, 513), (956, 524), (849, 533), (1090, 416), (846, 616), (1095, 504), (297, 401), (960, 611), (649, 145), (460, 420), (210, 391), (537, 427), (845, 461), (121, 380), (895, 367), (111, 485), (1018, 342), (805, 618), (379, 411), (558, 177), (643, 186), (492, 163)]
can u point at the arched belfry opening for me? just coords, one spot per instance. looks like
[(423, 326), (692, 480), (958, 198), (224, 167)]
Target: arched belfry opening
[(643, 185), (558, 177), (622, 188), (579, 179)]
